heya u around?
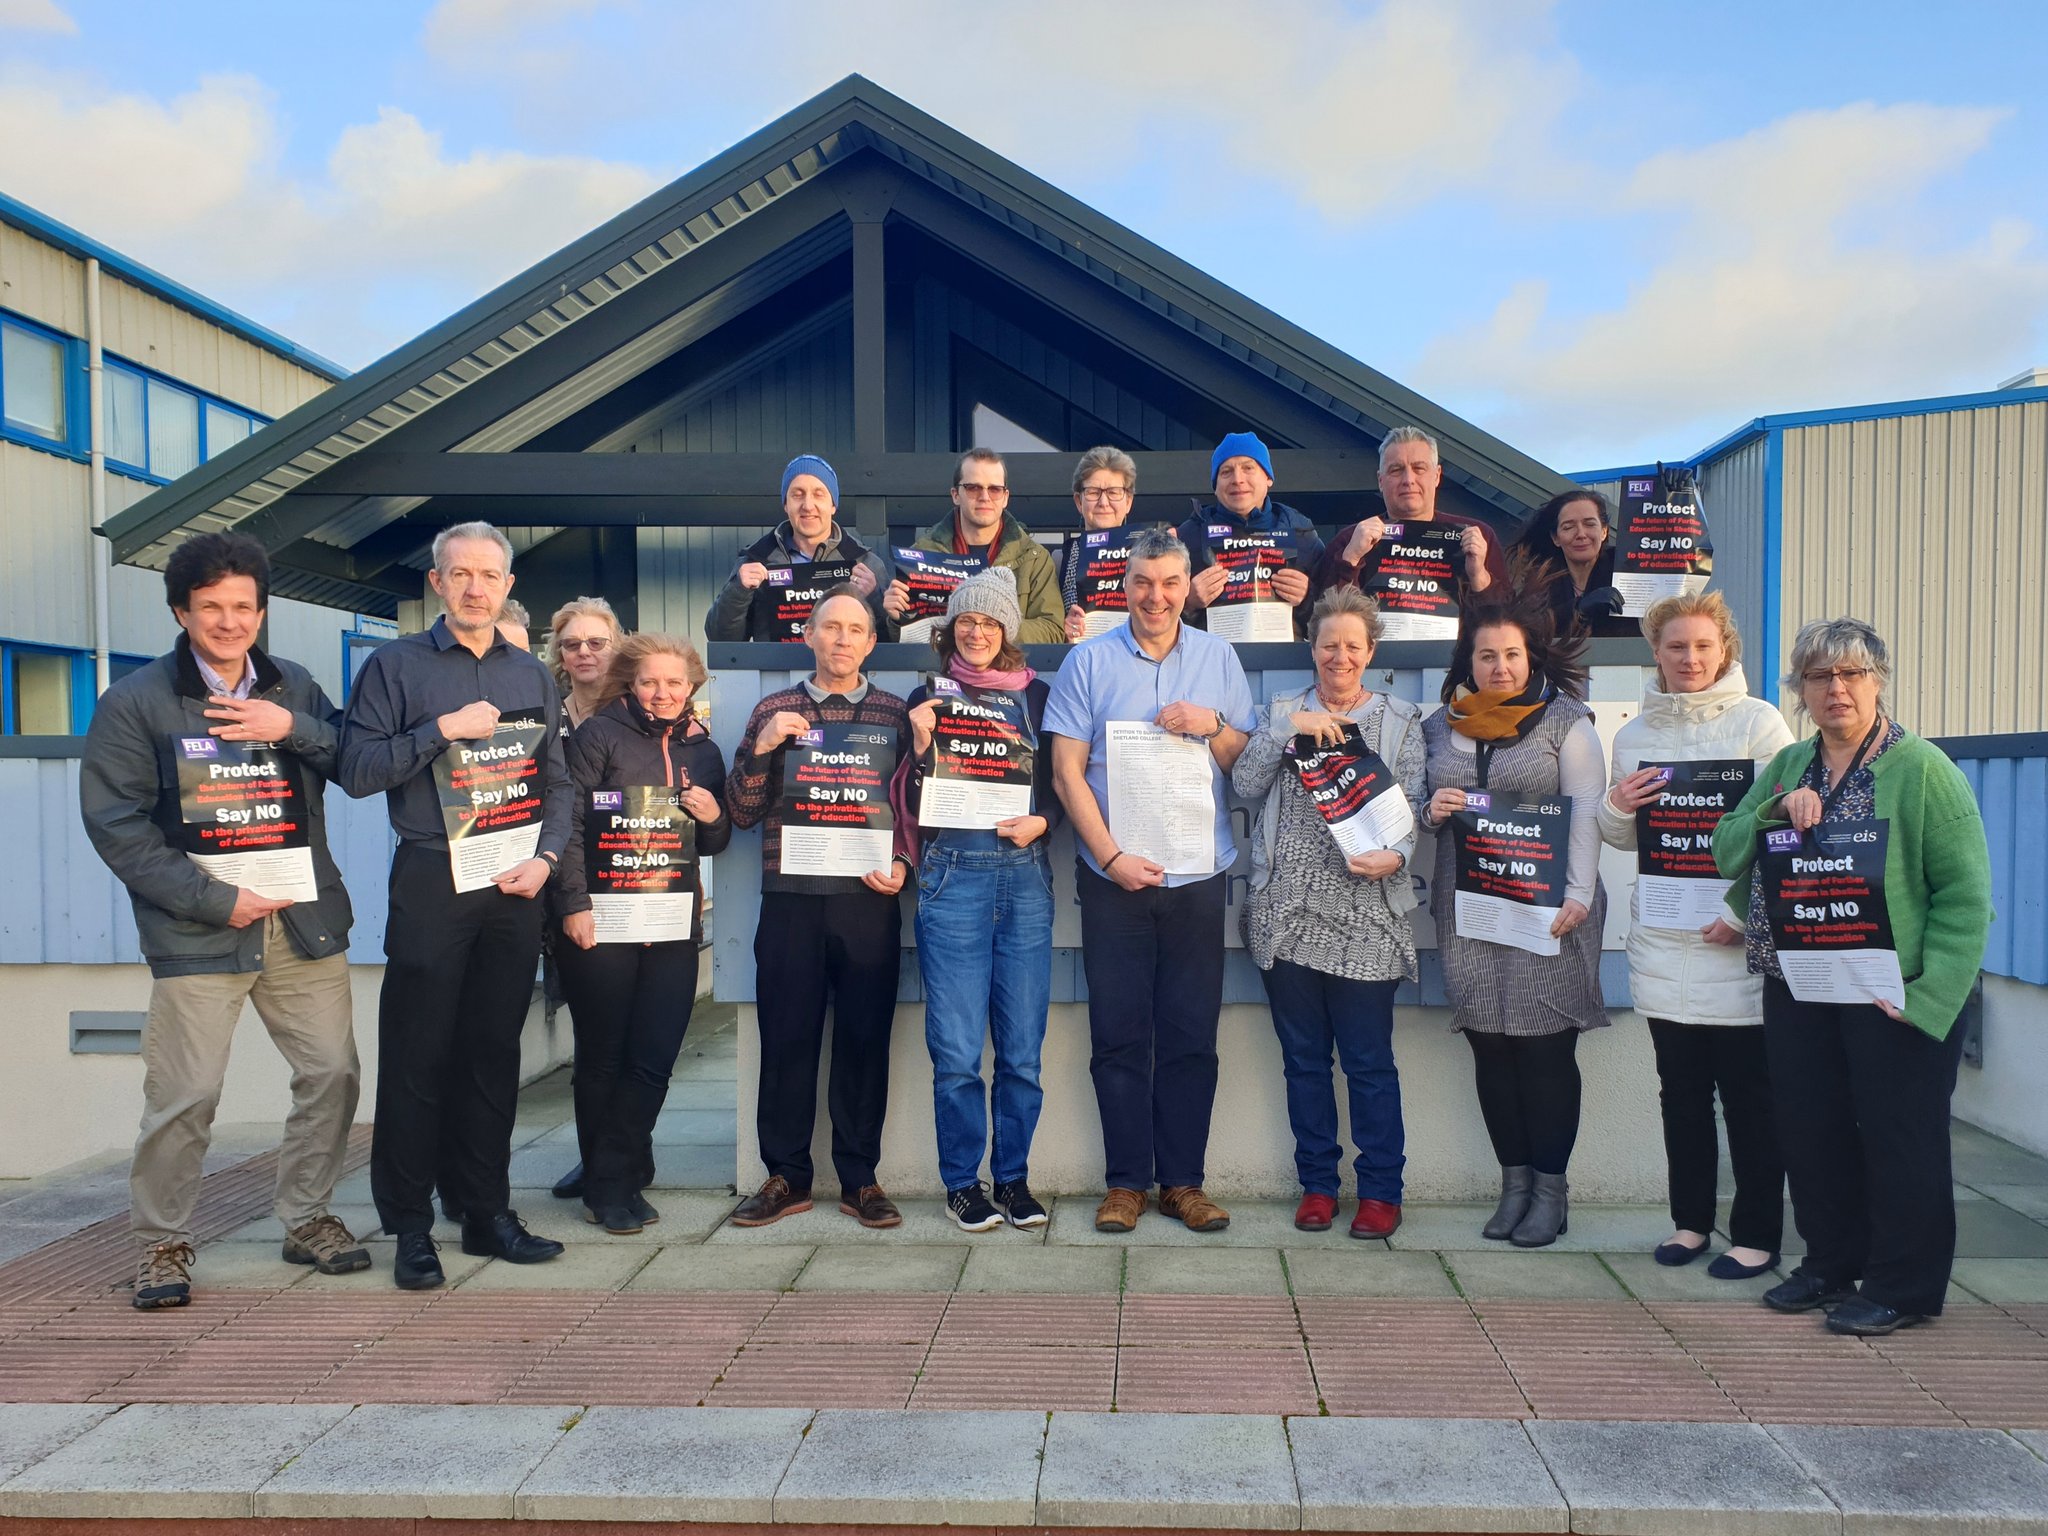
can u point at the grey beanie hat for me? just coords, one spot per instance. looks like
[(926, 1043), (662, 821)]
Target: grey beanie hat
[(993, 591)]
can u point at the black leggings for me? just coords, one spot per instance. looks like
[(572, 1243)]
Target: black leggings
[(1529, 1093), (630, 1005)]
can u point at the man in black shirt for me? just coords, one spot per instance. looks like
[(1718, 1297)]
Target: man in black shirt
[(461, 732)]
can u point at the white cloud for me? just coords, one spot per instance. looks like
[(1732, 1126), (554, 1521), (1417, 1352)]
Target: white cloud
[(1785, 269), (36, 16), (454, 27)]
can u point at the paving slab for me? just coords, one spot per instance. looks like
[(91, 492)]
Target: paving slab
[(1219, 1272), (1366, 1269), (422, 1462), (1253, 1224), (1653, 1479), (1652, 1281), (897, 1267), (1043, 1270), (866, 1467), (687, 1216), (670, 1464), (2028, 1199), (195, 1461), (1506, 1274), (825, 1225), (235, 1265), (703, 1092), (700, 1267), (696, 1166), (1979, 1158), (595, 1263), (696, 1127), (1422, 1475), (1907, 1481), (1593, 1228), (1190, 1471), (2035, 1440), (2000, 1280), (31, 1431), (1986, 1229)]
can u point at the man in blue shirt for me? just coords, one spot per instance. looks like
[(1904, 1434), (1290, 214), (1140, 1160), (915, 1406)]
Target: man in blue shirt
[(1152, 940)]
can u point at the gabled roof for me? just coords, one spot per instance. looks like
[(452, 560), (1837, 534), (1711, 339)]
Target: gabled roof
[(548, 301)]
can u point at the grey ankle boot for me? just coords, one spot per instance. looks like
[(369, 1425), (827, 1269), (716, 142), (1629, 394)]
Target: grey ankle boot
[(1515, 1184), (1546, 1217)]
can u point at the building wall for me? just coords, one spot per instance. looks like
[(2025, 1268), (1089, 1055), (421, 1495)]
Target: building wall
[(1732, 491)]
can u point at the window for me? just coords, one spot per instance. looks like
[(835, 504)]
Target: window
[(127, 423), (162, 429), (224, 428), (992, 429), (32, 383), (39, 691), (173, 430)]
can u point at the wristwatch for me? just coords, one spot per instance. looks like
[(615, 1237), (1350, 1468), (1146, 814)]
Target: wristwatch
[(1212, 735)]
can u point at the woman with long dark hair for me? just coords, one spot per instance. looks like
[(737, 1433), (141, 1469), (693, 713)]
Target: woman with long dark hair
[(1567, 554)]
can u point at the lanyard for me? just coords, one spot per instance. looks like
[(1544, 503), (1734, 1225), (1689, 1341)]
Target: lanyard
[(1842, 783)]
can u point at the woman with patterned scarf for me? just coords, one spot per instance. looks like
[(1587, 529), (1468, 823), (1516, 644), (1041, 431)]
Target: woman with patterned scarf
[(1514, 723)]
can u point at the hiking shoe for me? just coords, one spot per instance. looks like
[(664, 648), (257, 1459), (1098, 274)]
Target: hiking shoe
[(770, 1203), (1120, 1210), (1017, 1203), (971, 1210), (326, 1243), (1193, 1209), (870, 1207), (163, 1276)]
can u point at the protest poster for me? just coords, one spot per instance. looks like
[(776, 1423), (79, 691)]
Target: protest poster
[(1824, 898), (983, 752), (930, 578), (783, 602), (640, 865), (1360, 800), (491, 801), (1677, 883), (1099, 584), (1661, 548), (1510, 869), (1416, 574), (1247, 609), (242, 805), (835, 800)]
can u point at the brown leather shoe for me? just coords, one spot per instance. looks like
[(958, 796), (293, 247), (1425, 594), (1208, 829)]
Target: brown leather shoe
[(870, 1207), (1120, 1210), (1195, 1210), (770, 1203)]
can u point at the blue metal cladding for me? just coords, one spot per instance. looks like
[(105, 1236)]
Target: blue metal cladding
[(2013, 795)]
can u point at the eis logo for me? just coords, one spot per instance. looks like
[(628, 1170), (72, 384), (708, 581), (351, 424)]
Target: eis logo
[(607, 800), (198, 746)]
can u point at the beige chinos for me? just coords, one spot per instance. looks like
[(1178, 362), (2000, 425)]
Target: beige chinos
[(305, 1006)]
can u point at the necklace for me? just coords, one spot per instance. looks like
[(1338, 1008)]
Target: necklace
[(1339, 707)]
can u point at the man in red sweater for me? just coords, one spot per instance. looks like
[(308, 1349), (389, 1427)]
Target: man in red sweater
[(1410, 473)]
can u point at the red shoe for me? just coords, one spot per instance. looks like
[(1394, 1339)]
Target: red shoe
[(1376, 1218), (1315, 1213)]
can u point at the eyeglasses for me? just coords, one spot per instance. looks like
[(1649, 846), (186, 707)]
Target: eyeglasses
[(976, 488), (1109, 493), (595, 647), (974, 624), (1848, 677)]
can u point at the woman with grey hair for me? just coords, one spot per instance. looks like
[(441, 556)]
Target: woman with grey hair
[(1863, 1088), (1105, 485)]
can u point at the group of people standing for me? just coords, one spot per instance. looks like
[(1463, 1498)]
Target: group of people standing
[(1849, 1099)]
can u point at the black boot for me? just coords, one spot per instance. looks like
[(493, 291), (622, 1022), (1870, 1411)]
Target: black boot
[(570, 1185), (1546, 1216), (417, 1266), (504, 1236), (1515, 1184)]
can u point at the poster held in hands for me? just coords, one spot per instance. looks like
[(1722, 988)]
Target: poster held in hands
[(1162, 797), (640, 865), (1416, 574), (1099, 584), (983, 752), (1510, 862), (1361, 801), (243, 809), (1247, 610), (1824, 897), (1677, 882), (491, 801), (787, 594), (1661, 548), (930, 578), (836, 819)]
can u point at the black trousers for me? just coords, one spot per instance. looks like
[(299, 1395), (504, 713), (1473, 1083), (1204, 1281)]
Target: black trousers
[(630, 1006), (1528, 1089), (1863, 1111), (458, 977), (1693, 1060), (811, 951), (1154, 963)]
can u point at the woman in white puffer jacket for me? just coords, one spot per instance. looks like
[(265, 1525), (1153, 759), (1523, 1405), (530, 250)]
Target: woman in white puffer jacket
[(1705, 1009)]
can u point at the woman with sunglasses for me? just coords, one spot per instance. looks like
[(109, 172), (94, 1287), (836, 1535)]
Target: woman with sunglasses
[(581, 638)]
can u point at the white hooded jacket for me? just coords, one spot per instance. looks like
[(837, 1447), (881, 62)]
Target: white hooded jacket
[(1674, 973)]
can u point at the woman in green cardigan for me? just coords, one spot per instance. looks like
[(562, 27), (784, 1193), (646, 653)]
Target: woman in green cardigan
[(1863, 1090)]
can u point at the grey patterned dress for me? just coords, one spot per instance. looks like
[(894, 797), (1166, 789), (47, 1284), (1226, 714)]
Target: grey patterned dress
[(1497, 989)]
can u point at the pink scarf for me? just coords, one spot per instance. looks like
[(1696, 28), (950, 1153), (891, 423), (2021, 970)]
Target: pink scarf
[(907, 843)]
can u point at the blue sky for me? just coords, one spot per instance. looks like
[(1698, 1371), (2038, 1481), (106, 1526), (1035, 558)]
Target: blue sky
[(1606, 231)]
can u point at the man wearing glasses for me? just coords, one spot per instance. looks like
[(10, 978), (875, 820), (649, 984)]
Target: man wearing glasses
[(980, 525)]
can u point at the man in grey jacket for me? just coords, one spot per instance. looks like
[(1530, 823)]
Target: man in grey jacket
[(201, 789)]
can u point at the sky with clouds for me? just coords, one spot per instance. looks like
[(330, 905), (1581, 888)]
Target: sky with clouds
[(1607, 230)]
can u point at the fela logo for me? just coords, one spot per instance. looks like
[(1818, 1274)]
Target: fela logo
[(199, 746), (811, 739), (1782, 841), (607, 800), (781, 577)]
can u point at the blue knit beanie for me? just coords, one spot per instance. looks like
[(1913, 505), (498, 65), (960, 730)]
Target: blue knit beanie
[(811, 464), (1238, 445)]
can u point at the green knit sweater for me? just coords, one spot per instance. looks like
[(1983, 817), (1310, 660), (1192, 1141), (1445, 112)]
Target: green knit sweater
[(1937, 873)]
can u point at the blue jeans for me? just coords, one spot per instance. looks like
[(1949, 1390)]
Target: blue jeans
[(984, 946), (1312, 1011)]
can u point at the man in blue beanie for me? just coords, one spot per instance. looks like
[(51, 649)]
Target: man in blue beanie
[(1241, 470), (809, 533)]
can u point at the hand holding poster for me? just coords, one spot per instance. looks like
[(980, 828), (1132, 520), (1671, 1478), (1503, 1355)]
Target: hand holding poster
[(1824, 896), (930, 578), (835, 801), (1677, 883), (1162, 797), (787, 594), (1415, 574), (1247, 609), (491, 801), (1661, 548), (1361, 801), (1099, 585), (982, 755), (1510, 862), (640, 865), (243, 806)]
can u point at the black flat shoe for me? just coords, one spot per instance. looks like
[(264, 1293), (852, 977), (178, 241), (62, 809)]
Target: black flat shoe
[(644, 1209), (504, 1236), (1867, 1319), (417, 1265), (619, 1220), (570, 1185), (1728, 1267), (1801, 1292), (1671, 1255)]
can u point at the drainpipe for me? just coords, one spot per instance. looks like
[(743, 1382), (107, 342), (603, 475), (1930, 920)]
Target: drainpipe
[(102, 618)]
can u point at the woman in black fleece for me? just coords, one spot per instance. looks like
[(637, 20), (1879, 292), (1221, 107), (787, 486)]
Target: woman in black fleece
[(631, 1002)]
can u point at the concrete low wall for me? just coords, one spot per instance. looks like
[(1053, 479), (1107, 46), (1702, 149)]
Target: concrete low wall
[(2005, 1096), (1620, 1154)]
